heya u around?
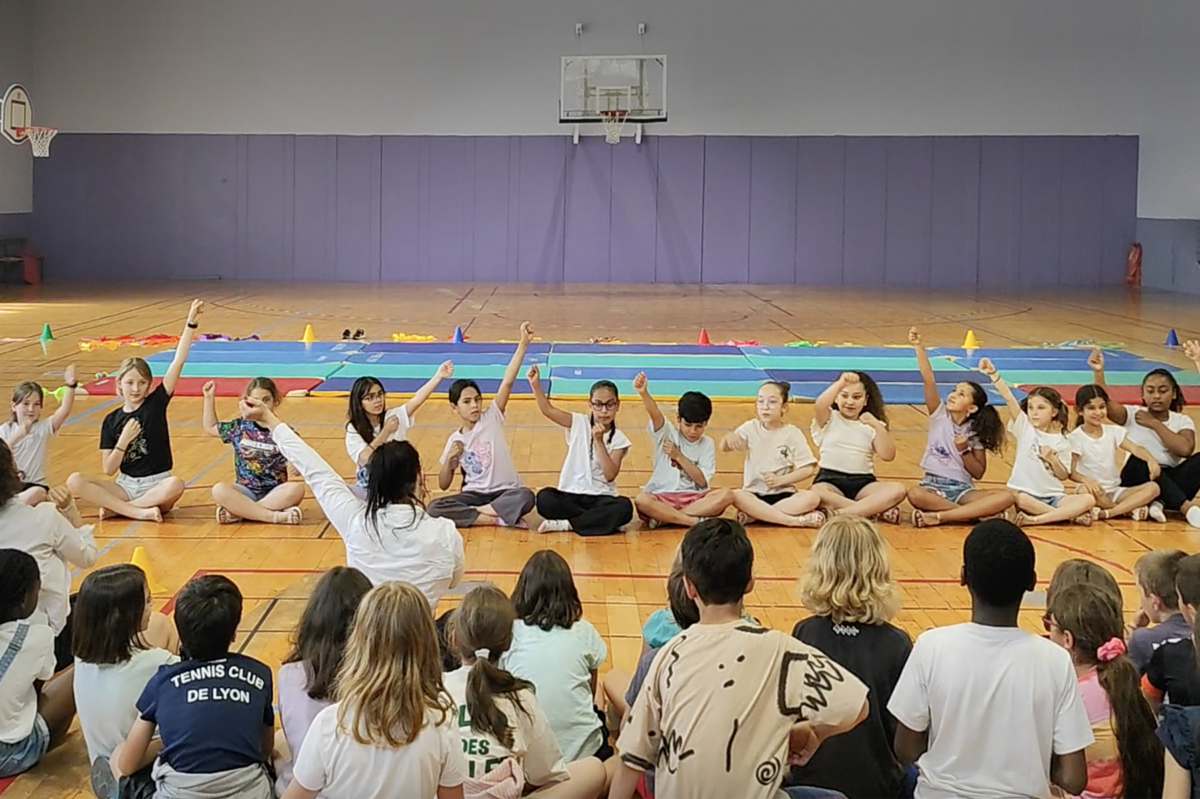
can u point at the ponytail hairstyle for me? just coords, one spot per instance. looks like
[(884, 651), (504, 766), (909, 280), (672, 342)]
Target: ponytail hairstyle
[(1050, 395), (1094, 620), (1177, 400), (394, 478), (265, 384), (23, 391), (601, 385), (1083, 396), (481, 631), (986, 424), (356, 417)]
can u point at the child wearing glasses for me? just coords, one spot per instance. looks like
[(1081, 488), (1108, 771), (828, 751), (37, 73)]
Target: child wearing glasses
[(586, 498)]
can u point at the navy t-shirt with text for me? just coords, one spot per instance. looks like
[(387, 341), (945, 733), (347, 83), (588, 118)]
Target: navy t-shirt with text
[(210, 713)]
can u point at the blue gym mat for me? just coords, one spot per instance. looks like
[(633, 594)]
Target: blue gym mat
[(452, 349), (340, 387), (433, 359)]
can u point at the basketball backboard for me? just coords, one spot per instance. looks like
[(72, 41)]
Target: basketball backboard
[(592, 85), (17, 112)]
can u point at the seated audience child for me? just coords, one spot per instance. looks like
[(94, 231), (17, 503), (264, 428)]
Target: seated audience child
[(34, 714), (679, 490), (119, 643), (212, 710), (1125, 759), (506, 737), (1158, 619), (847, 584), (28, 434), (1172, 675), (558, 651), (727, 704), (308, 675), (391, 732), (986, 709)]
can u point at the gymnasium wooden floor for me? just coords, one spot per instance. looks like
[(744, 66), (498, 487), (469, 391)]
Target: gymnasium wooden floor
[(622, 578)]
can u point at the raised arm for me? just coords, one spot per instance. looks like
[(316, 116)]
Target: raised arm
[(68, 400), (556, 415), (1116, 411), (932, 398), (827, 397), (513, 368), (1010, 399), (652, 409), (209, 424), (444, 371), (181, 349)]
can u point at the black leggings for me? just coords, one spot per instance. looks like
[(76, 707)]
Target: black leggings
[(589, 514), (1177, 484)]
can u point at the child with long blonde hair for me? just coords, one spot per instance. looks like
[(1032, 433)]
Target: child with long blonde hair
[(847, 584), (392, 727), (135, 443), (28, 434)]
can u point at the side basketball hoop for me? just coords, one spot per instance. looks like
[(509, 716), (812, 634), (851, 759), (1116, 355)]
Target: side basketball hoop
[(614, 124), (39, 137)]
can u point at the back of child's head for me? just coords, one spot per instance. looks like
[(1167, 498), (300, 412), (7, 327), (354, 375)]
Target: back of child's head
[(109, 614), (998, 563), (319, 641), (208, 610), (1075, 571), (985, 421), (24, 390), (481, 632), (11, 483), (847, 575), (20, 582), (1084, 395), (393, 478), (450, 660), (1155, 574), (683, 607), (263, 384), (1093, 618), (1062, 415), (718, 561), (391, 673), (694, 407), (459, 386), (545, 595), (1187, 580), (133, 364)]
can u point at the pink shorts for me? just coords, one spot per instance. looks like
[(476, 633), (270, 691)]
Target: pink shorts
[(678, 500)]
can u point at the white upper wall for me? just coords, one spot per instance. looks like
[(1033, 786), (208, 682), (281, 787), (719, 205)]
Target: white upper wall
[(784, 67), (16, 162)]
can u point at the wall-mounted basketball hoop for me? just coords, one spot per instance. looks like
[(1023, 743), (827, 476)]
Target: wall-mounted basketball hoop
[(39, 137), (613, 91)]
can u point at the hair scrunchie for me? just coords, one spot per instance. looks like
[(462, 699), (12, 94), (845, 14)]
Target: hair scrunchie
[(1110, 650), (486, 654)]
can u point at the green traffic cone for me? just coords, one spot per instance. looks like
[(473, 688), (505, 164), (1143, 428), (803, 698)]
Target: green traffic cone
[(46, 334)]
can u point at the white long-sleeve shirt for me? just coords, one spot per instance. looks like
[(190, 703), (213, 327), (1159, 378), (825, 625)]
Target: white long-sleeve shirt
[(405, 544), (44, 533)]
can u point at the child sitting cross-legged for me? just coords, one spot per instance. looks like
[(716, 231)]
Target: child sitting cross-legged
[(1158, 619)]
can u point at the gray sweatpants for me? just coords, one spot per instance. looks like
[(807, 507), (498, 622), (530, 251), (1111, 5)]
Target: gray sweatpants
[(511, 505)]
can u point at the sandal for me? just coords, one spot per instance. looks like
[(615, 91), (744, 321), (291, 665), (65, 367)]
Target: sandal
[(225, 517), (292, 515)]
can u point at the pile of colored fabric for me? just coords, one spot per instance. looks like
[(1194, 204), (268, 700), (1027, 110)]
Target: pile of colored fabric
[(113, 342)]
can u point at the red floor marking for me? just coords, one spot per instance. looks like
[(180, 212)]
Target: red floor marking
[(461, 299), (1083, 552), (6, 783)]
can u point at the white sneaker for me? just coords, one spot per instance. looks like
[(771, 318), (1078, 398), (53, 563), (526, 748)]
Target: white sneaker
[(554, 526), (1156, 512), (1193, 516)]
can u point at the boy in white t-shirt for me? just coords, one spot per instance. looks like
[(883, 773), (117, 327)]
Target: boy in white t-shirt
[(984, 708), (28, 434), (685, 460)]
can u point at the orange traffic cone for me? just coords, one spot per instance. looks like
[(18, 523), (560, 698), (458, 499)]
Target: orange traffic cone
[(703, 336)]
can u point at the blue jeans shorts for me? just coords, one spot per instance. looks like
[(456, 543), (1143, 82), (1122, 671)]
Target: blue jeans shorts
[(946, 487), (1051, 501), (19, 757)]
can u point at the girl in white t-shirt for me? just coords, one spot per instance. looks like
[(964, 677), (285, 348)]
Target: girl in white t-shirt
[(1043, 456), (777, 458), (1095, 445), (119, 642), (369, 423), (392, 728), (28, 434), (1169, 435), (850, 430), (492, 492), (510, 746), (586, 498)]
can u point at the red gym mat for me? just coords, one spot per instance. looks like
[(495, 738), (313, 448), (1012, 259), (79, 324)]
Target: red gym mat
[(226, 386), (1126, 395)]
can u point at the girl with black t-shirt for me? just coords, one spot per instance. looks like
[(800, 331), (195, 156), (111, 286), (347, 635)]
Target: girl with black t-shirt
[(135, 443)]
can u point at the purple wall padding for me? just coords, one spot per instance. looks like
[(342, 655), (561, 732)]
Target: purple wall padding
[(996, 212)]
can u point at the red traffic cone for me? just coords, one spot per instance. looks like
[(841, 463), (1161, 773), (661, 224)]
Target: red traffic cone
[(703, 337)]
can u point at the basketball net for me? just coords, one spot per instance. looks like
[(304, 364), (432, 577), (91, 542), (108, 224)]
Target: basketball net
[(39, 139), (614, 123)]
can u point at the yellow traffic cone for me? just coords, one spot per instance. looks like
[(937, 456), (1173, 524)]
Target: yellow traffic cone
[(142, 561), (970, 342), (309, 336)]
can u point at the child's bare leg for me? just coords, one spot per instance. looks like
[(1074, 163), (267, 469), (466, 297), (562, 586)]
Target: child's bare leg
[(1130, 500), (34, 495), (588, 777), (875, 498), (56, 704), (267, 510), (1071, 506), (111, 497), (799, 508), (832, 497), (615, 684), (163, 496), (934, 509), (709, 506), (652, 507)]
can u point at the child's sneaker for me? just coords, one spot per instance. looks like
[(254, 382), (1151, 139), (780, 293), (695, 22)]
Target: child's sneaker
[(1193, 516), (1140, 514), (104, 784), (1157, 513), (554, 526)]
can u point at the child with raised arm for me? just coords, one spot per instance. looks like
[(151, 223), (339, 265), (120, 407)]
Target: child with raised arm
[(850, 430), (370, 425), (586, 499), (262, 492), (135, 443), (28, 434), (963, 429), (491, 492), (1043, 456), (684, 462)]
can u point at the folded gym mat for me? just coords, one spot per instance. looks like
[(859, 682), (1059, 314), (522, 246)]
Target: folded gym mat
[(339, 386), (226, 386)]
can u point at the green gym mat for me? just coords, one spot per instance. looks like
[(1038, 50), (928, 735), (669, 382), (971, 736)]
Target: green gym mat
[(471, 371)]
